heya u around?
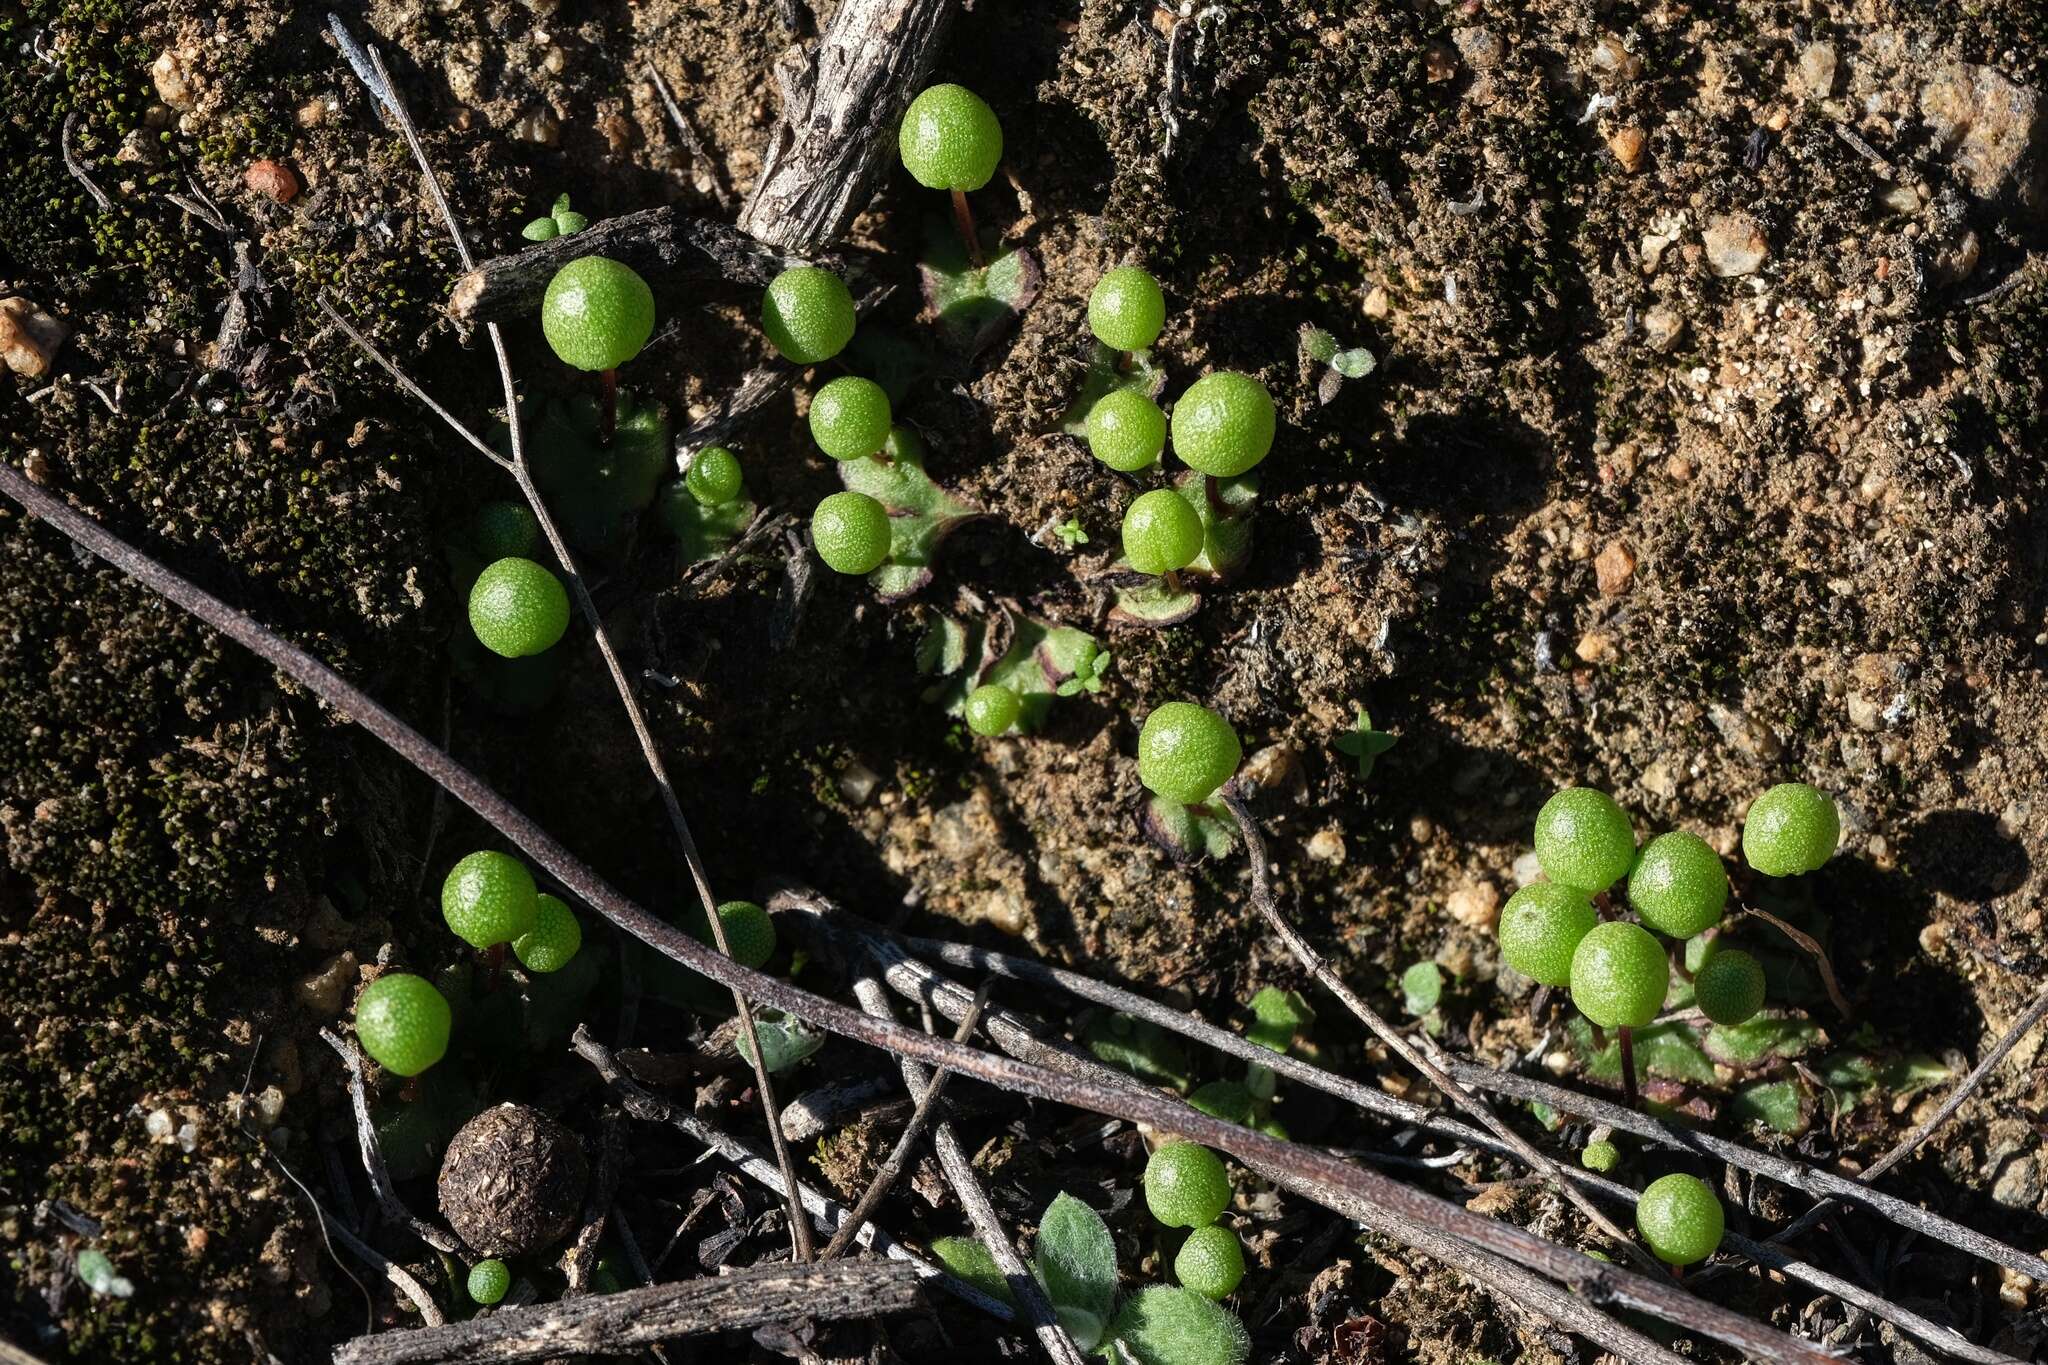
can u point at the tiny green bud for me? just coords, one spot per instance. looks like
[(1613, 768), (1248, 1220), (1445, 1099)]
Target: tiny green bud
[(1223, 425), (1729, 986), (851, 533), (850, 418), (1619, 975), (1681, 1219), (1678, 885), (1790, 829), (992, 708), (1186, 1185), (1584, 840), (489, 898), (402, 1021), (597, 313), (950, 139), (1185, 752), (488, 1281), (808, 314), (1210, 1262), (1126, 430), (1126, 310), (517, 608), (1161, 532), (1540, 929), (713, 477), (1600, 1156), (554, 938)]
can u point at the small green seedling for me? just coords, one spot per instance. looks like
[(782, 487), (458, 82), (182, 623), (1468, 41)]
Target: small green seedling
[(1365, 743), (785, 1040), (850, 418), (1602, 1156), (749, 933), (1584, 840), (597, 314), (403, 1022), (1680, 1219), (950, 140), (1186, 752), (488, 1281), (1678, 885), (1541, 928), (1224, 424), (489, 898), (1342, 362), (713, 477), (1422, 986), (1619, 975), (1162, 534), (1074, 1261), (1163, 1325), (808, 314), (1210, 1262), (1186, 1185), (1126, 310), (851, 533), (560, 221), (96, 1271), (992, 709), (1790, 829), (1071, 533), (1729, 987), (968, 1259), (554, 938), (1278, 1018), (1126, 430), (517, 608), (504, 530)]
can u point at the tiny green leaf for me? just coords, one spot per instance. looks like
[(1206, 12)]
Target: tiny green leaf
[(1075, 1260), (967, 1258), (1365, 743), (785, 1040), (98, 1273), (539, 230), (1163, 1325), (1422, 985)]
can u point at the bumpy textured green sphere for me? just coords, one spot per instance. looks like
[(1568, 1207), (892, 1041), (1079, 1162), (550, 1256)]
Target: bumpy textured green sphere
[(851, 533), (1619, 975), (950, 139), (1678, 884), (1126, 430), (1792, 828), (1185, 752), (488, 1281), (1680, 1219), (517, 608), (1729, 987), (1223, 424), (1161, 532), (1600, 1156), (1186, 1185), (748, 932), (402, 1021), (489, 898), (1584, 840), (992, 708), (503, 530), (1224, 1100), (808, 314), (1540, 929), (554, 938), (850, 418), (597, 313), (713, 478), (1210, 1262), (1126, 309)]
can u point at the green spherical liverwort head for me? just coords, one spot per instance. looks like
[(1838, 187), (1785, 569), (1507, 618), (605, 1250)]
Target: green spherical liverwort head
[(808, 314), (1210, 1262), (1681, 1219), (489, 898), (850, 418), (749, 933), (1619, 975), (518, 608), (1185, 752), (1126, 309), (597, 313), (402, 1022), (1729, 987), (1790, 829), (851, 533), (1126, 430), (503, 530), (1600, 1156), (1584, 840), (1223, 424), (554, 938), (1540, 929), (1678, 884), (1186, 1185), (992, 708), (1161, 532), (950, 139), (713, 477), (488, 1281)]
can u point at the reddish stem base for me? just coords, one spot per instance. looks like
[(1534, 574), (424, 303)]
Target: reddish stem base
[(963, 218), (608, 406), (1626, 1037)]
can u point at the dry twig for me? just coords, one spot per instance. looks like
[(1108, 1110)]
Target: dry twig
[(1811, 947), (394, 1208)]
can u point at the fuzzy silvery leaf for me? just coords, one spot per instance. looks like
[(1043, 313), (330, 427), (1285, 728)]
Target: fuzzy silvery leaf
[(1076, 1263), (1162, 1325)]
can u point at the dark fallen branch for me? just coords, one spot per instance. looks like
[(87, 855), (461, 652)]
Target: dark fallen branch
[(837, 134), (1360, 1193), (393, 1207), (622, 1323), (673, 251)]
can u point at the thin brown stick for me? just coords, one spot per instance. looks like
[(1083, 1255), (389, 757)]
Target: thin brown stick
[(906, 1142), (1393, 1109), (1428, 1059), (799, 1226), (623, 1323), (1812, 948), (405, 382), (1364, 1194), (686, 133), (1037, 1310), (581, 1258), (393, 1207)]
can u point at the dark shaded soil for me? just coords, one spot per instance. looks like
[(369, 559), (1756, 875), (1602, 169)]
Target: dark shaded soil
[(1600, 514)]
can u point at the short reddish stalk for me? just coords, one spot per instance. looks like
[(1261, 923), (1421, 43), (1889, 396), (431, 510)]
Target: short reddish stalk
[(963, 218), (1626, 1037), (608, 409)]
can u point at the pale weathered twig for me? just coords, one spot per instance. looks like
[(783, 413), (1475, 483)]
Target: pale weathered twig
[(581, 1258), (1812, 948), (77, 167), (621, 1324), (686, 133), (394, 1208)]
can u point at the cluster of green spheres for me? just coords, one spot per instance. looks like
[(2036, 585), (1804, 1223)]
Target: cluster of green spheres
[(1186, 1186), (489, 898), (1186, 752), (1619, 972)]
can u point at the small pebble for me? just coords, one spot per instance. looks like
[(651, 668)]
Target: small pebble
[(1627, 144), (1614, 569), (272, 178), (1476, 905), (1735, 245)]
